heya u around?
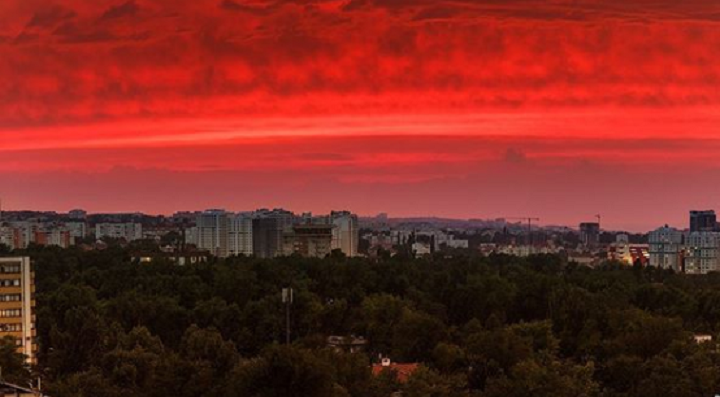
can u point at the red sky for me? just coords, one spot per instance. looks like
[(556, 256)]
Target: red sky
[(462, 108)]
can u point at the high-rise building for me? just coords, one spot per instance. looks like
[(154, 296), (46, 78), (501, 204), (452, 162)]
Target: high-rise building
[(212, 232), (240, 239), (345, 233), (590, 234), (666, 248), (309, 240), (17, 304), (268, 230), (702, 252), (703, 221)]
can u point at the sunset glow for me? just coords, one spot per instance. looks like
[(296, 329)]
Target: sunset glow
[(457, 108)]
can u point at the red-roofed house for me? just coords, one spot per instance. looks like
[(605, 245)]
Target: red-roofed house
[(402, 371)]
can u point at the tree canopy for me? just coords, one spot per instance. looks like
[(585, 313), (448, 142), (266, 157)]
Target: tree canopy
[(480, 326)]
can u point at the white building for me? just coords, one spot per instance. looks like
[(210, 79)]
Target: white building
[(125, 231), (240, 239), (211, 232), (666, 247), (346, 233), (702, 252)]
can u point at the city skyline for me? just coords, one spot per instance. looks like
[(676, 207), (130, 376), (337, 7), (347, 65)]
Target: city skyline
[(680, 224), (76, 212), (452, 108)]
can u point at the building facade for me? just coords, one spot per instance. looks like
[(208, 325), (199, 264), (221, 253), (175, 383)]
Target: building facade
[(212, 232), (590, 234), (345, 233), (312, 240), (703, 221), (17, 304), (269, 227), (240, 239), (666, 248), (702, 251)]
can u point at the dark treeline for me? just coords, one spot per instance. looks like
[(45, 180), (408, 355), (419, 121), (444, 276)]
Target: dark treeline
[(495, 326)]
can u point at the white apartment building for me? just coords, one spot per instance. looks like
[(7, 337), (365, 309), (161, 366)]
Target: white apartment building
[(702, 251), (666, 248), (346, 233), (240, 239), (211, 232)]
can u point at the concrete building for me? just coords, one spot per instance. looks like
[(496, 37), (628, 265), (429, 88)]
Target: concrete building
[(590, 234), (346, 233), (55, 237), (312, 240), (76, 229), (666, 248), (123, 231), (702, 251), (703, 221), (8, 237), (17, 304), (240, 239), (24, 233), (212, 232), (268, 227)]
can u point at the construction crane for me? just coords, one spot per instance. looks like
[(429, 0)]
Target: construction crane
[(529, 220)]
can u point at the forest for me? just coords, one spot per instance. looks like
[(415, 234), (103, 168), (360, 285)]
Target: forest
[(490, 326)]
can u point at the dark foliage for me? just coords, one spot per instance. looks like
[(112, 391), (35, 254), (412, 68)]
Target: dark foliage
[(496, 326)]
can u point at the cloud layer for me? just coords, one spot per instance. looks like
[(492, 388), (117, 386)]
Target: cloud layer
[(75, 60), (398, 98)]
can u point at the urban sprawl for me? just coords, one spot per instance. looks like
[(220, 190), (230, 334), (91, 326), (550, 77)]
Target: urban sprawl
[(187, 237)]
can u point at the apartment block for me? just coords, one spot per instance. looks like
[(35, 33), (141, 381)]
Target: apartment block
[(17, 304), (702, 252), (666, 248)]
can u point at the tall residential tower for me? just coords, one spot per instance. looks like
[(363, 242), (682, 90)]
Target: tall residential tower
[(17, 304)]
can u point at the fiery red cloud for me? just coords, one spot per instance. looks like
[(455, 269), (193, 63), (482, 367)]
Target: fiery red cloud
[(560, 109)]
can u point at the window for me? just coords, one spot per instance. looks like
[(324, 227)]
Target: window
[(10, 283), (10, 327), (10, 269), (10, 297), (5, 313)]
